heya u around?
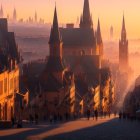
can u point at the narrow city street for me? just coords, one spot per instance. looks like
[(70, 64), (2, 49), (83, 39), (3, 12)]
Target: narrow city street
[(103, 129)]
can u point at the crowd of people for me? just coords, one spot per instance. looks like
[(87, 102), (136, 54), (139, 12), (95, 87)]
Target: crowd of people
[(95, 114), (128, 116), (34, 118)]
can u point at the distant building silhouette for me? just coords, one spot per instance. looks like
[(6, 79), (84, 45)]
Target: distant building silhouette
[(14, 15), (1, 12), (111, 33), (123, 49), (99, 39), (36, 18)]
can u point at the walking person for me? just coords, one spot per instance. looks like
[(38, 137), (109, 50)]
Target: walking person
[(88, 114), (13, 121), (120, 115), (96, 114), (36, 118), (93, 114), (51, 118)]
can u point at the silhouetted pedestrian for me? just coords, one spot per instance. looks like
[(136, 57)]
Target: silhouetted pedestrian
[(96, 114), (88, 114), (13, 121), (36, 118), (93, 114), (51, 118), (115, 113), (120, 115)]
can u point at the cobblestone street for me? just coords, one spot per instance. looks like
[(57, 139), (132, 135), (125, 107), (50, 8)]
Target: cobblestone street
[(103, 129)]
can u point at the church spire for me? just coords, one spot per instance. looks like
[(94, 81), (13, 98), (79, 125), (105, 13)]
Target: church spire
[(123, 33), (98, 34), (14, 14), (86, 21), (55, 34), (35, 16), (123, 24), (123, 49), (86, 11)]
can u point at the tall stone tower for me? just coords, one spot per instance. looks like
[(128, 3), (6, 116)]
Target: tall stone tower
[(55, 65), (111, 33), (1, 12), (14, 15), (35, 17), (123, 49), (99, 39), (86, 18)]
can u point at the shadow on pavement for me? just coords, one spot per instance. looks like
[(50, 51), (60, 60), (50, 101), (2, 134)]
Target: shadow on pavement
[(111, 130), (27, 133)]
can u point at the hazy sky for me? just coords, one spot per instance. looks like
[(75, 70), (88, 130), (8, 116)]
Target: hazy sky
[(109, 11)]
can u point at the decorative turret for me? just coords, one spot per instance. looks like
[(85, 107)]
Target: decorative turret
[(123, 48), (99, 39), (86, 18)]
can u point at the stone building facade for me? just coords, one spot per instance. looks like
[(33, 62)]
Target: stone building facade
[(10, 94)]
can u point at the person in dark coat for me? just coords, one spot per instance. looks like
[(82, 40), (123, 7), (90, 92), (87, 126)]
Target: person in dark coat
[(96, 114), (88, 114), (120, 115), (36, 118)]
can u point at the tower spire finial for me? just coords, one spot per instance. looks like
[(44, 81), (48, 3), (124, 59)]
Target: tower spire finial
[(98, 34), (55, 34), (123, 25), (87, 19)]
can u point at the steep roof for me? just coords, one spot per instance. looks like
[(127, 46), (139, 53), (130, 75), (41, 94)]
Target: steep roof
[(78, 37), (98, 34), (8, 47), (55, 34)]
